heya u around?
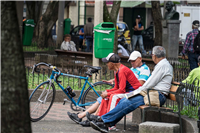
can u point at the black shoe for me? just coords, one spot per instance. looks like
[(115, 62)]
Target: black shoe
[(74, 117), (93, 117), (85, 123), (100, 126)]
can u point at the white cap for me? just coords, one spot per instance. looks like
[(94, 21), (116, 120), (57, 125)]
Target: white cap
[(134, 55)]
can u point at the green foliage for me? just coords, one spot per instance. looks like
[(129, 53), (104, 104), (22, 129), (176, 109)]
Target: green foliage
[(190, 111)]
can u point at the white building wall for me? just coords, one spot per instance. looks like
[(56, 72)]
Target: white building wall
[(73, 14), (82, 13)]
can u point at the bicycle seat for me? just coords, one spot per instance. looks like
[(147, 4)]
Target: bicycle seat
[(93, 67)]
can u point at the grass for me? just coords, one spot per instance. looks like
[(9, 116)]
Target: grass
[(34, 47), (190, 111)]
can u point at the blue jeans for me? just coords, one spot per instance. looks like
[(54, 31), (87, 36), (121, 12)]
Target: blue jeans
[(139, 38), (89, 43), (193, 60), (126, 106), (189, 97)]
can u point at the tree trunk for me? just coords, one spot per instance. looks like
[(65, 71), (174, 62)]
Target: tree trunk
[(157, 19), (106, 14), (112, 17), (44, 25), (14, 92)]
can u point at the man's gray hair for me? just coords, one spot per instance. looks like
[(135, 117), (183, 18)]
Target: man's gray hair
[(159, 51)]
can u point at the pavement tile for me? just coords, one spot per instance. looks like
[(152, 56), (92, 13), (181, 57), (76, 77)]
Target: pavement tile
[(57, 121)]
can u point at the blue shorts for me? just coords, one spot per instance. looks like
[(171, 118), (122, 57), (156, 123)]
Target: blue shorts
[(99, 99)]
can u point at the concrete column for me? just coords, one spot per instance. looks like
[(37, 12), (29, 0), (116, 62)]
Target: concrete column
[(20, 7), (98, 18), (60, 22), (171, 37)]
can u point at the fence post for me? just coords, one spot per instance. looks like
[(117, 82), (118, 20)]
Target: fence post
[(198, 122)]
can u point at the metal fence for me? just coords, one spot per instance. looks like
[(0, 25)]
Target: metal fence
[(190, 101)]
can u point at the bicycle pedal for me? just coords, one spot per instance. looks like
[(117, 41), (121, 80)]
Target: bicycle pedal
[(65, 100)]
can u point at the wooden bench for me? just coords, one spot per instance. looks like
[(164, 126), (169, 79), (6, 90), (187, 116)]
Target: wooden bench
[(173, 95)]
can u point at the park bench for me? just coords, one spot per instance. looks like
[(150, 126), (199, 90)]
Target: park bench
[(173, 95)]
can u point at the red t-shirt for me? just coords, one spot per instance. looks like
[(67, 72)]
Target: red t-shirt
[(125, 81)]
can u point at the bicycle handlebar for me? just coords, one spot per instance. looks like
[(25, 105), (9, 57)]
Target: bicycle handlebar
[(42, 63)]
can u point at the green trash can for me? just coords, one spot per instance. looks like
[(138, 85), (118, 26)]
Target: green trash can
[(104, 34), (28, 32), (67, 26)]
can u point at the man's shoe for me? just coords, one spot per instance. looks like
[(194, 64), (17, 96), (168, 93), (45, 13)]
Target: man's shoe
[(85, 123), (113, 128), (74, 117), (93, 117), (100, 126)]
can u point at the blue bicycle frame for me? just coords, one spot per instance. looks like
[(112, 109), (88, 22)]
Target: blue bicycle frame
[(82, 91)]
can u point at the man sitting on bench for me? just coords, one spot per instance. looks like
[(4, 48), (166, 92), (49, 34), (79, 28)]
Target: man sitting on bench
[(140, 70), (160, 79)]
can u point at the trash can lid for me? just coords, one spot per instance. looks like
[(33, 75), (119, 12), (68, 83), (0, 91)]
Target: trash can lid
[(68, 19), (30, 21), (105, 26)]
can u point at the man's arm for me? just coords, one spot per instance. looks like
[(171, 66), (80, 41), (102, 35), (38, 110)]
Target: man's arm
[(142, 28), (115, 87), (153, 80), (85, 31), (61, 47), (73, 45), (80, 32), (109, 81), (189, 78), (122, 84), (144, 75), (142, 82)]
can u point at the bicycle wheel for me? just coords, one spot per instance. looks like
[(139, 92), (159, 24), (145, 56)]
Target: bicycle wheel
[(41, 100), (91, 96)]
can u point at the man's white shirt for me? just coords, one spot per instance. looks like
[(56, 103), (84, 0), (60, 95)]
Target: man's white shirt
[(160, 78), (70, 46), (122, 50)]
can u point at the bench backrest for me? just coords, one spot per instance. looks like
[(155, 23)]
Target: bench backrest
[(172, 89)]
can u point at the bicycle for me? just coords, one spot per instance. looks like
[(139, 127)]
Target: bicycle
[(41, 100)]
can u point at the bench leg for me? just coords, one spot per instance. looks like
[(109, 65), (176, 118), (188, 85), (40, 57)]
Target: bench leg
[(124, 122), (180, 122), (159, 115), (143, 115)]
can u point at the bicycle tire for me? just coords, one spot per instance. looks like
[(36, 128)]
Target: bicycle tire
[(34, 101), (91, 96)]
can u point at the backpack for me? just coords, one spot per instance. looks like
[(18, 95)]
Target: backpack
[(196, 45)]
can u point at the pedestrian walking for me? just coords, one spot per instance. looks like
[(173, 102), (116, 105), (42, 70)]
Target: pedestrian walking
[(188, 46)]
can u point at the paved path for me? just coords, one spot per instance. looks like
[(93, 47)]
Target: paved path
[(57, 121)]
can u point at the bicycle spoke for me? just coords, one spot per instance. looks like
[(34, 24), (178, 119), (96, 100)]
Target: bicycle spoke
[(41, 101)]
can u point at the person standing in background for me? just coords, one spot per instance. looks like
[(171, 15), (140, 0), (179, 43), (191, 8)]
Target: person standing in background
[(88, 35), (81, 33), (137, 35)]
